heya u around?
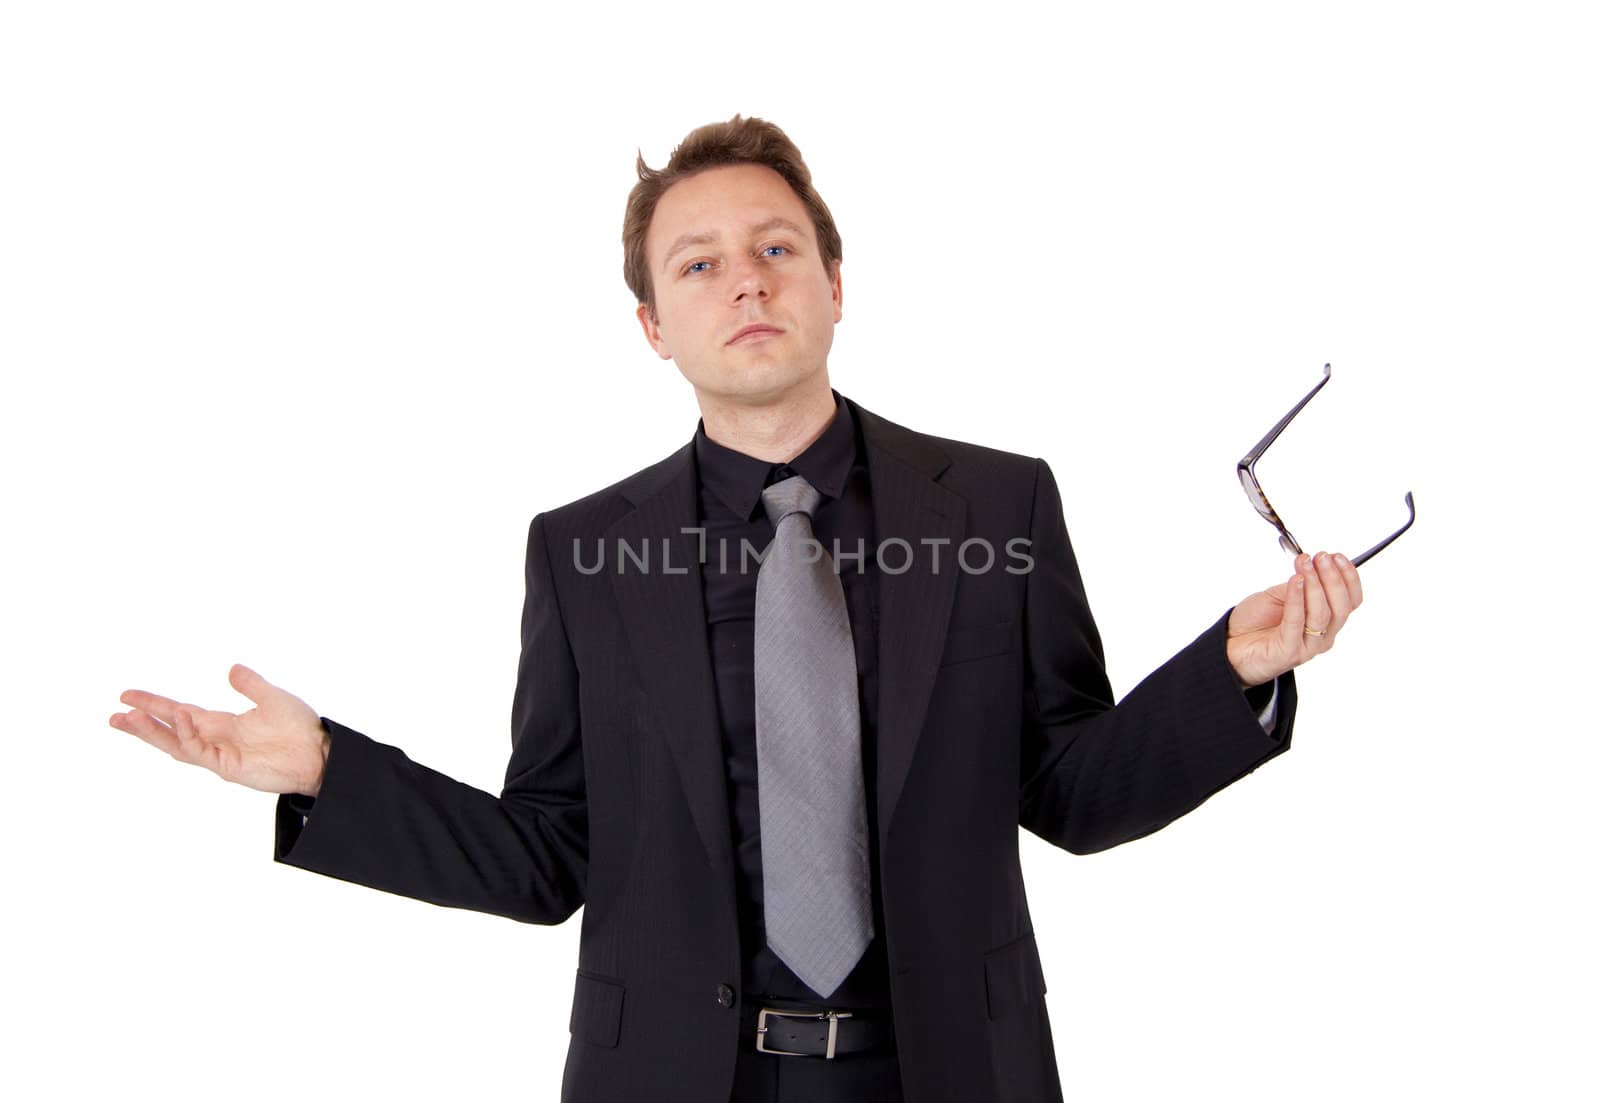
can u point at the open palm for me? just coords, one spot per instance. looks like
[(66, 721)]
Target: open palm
[(277, 747)]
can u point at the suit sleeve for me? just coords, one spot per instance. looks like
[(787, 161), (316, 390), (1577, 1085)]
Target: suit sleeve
[(383, 821), (1094, 774)]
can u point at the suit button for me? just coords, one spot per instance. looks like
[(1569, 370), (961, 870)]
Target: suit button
[(724, 995)]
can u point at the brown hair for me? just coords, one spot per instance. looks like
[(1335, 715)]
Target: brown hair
[(736, 142)]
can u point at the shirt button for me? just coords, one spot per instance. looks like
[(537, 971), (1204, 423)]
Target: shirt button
[(724, 995)]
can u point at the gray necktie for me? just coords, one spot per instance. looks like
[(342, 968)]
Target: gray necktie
[(814, 861)]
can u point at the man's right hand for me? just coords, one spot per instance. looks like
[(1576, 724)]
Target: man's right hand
[(277, 747)]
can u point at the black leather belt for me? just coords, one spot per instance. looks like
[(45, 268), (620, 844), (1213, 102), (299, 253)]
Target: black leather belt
[(828, 1033)]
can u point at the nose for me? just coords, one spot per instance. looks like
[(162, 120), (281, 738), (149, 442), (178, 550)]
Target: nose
[(750, 280)]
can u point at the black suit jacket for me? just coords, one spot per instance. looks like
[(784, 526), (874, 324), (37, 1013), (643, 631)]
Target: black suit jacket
[(995, 712)]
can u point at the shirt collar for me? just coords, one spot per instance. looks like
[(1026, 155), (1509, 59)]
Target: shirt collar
[(738, 479)]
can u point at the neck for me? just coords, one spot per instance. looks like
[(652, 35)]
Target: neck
[(775, 429)]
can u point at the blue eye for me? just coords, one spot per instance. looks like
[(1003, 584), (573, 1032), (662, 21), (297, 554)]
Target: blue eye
[(703, 265)]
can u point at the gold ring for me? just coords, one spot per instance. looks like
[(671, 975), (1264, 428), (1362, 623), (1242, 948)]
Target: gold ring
[(1312, 632)]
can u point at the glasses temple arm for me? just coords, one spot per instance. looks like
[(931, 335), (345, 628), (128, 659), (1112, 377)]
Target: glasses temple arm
[(1272, 434), (1378, 547)]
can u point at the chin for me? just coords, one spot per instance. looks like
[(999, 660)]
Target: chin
[(755, 379)]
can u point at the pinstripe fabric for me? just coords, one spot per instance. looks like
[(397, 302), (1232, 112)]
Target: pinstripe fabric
[(814, 857)]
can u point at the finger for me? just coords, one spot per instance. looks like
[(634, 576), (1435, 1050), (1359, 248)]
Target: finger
[(1332, 580), (149, 729), (1291, 629), (1318, 615), (1352, 580), (163, 708), (249, 683), (194, 747)]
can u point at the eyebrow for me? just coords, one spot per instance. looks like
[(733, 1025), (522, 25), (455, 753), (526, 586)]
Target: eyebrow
[(778, 222)]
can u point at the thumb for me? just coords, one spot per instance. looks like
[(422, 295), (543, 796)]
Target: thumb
[(249, 683)]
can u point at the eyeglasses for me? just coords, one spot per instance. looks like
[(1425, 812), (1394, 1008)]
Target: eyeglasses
[(1252, 488)]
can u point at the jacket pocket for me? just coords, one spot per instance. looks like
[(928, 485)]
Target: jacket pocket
[(963, 643), (1013, 976), (596, 1009)]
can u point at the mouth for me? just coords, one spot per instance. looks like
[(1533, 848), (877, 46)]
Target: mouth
[(751, 334)]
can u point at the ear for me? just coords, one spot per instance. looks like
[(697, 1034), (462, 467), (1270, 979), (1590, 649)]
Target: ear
[(652, 332), (838, 290)]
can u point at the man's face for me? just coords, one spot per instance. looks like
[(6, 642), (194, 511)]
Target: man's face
[(732, 247)]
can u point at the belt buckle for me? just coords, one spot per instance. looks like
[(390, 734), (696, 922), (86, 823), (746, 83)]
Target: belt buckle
[(832, 1016)]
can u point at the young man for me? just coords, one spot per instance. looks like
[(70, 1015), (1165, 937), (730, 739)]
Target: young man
[(787, 782)]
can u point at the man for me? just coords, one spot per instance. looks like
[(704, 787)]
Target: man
[(794, 784)]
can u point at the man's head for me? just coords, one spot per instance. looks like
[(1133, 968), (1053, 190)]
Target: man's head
[(731, 234)]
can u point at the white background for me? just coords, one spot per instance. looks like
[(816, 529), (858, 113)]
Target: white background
[(307, 308)]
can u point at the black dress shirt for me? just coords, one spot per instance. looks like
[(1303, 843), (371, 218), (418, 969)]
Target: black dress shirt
[(736, 530)]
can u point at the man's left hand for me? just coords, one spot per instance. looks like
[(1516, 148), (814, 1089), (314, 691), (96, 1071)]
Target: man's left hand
[(1279, 628)]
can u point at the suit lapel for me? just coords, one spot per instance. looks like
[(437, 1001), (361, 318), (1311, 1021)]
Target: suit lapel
[(665, 619), (913, 605), (664, 613)]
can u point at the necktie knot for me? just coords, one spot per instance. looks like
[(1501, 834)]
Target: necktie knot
[(792, 495)]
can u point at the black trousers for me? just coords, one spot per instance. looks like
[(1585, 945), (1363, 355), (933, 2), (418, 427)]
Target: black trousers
[(771, 1078)]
